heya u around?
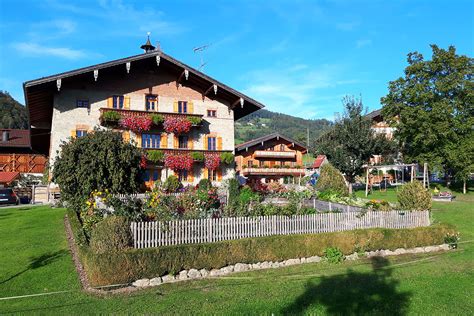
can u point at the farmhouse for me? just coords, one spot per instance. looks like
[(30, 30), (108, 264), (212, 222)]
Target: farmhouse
[(192, 114), (270, 158)]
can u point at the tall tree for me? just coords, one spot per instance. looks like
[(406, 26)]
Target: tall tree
[(352, 141), (12, 113), (432, 108)]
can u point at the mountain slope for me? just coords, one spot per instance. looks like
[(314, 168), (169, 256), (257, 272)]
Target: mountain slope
[(264, 122), (12, 113)]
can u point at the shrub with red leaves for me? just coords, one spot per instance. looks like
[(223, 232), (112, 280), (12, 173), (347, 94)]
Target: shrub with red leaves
[(137, 123), (211, 161), (177, 125), (178, 161)]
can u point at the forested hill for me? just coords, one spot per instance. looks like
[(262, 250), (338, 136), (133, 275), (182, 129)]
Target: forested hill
[(264, 122), (12, 113)]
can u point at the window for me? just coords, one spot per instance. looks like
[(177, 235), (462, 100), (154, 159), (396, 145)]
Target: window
[(292, 164), (211, 143), (117, 101), (151, 175), (183, 142), (151, 141), (81, 133), (156, 174), (183, 175), (262, 163), (250, 163), (282, 147), (211, 113), (182, 107), (212, 175), (82, 104), (151, 102), (282, 163)]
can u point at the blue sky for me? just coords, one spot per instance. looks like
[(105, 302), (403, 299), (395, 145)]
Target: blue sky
[(296, 57)]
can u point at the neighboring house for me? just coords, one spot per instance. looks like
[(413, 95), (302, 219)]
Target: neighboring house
[(17, 157), (270, 158), (319, 162), (379, 126), (74, 103)]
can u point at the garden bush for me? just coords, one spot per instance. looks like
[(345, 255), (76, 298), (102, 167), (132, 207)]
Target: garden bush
[(331, 179), (172, 184), (111, 235), (133, 264), (333, 255), (227, 158), (204, 184), (413, 196)]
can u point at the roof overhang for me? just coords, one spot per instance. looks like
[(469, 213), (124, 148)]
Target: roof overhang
[(263, 139)]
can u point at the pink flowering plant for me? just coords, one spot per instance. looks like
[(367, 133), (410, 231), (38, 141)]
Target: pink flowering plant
[(177, 125), (178, 161), (137, 124), (211, 161)]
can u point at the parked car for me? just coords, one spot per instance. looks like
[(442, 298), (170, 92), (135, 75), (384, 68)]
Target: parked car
[(7, 196)]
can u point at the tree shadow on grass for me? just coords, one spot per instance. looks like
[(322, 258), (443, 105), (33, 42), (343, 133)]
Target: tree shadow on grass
[(38, 262), (355, 293)]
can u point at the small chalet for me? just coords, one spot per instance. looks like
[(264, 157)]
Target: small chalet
[(319, 162), (270, 158)]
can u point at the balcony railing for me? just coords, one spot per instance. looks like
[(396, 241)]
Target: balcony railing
[(273, 171), (274, 154), (186, 150)]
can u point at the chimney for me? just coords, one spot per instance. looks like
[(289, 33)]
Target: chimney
[(5, 136)]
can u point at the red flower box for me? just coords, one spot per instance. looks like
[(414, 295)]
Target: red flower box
[(178, 161), (137, 123), (177, 125), (211, 161)]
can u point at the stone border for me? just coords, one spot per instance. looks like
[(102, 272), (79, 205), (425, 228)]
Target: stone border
[(193, 274)]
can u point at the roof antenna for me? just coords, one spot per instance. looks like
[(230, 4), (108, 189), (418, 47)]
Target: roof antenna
[(199, 50)]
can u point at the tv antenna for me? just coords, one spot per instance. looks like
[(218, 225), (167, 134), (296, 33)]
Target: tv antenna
[(199, 50)]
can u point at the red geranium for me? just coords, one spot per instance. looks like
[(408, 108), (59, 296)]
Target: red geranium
[(178, 161), (137, 123), (211, 161), (143, 162), (177, 125)]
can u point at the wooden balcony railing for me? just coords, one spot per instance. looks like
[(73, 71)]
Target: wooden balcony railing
[(186, 150), (273, 171), (274, 154)]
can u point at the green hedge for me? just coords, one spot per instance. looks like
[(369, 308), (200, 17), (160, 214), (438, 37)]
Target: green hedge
[(133, 264)]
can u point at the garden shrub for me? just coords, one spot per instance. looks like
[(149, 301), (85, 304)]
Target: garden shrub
[(333, 255), (413, 196), (155, 156), (331, 179), (133, 264), (111, 235), (128, 207), (227, 158), (204, 184), (157, 119), (172, 184)]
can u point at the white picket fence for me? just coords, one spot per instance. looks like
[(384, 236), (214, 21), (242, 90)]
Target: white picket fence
[(154, 234)]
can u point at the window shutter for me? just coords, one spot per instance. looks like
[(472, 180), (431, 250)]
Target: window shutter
[(126, 136), (164, 141), (190, 107), (126, 103), (190, 142), (73, 133), (205, 143), (176, 141), (175, 107), (219, 143), (219, 174), (205, 173), (191, 175), (139, 140), (110, 102)]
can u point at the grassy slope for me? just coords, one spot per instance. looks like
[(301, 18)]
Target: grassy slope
[(435, 284)]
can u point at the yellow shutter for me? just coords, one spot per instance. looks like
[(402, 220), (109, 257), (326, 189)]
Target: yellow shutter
[(126, 104), (190, 107), (164, 141), (190, 175), (175, 141), (190, 142), (73, 133), (219, 174), (126, 136), (175, 106), (139, 140), (110, 102), (205, 142), (204, 173), (219, 143)]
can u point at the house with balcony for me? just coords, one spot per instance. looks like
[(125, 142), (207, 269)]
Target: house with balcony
[(163, 106), (270, 158)]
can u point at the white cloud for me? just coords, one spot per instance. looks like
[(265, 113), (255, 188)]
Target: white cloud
[(32, 50), (363, 42)]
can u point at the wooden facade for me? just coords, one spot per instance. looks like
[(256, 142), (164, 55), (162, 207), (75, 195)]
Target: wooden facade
[(270, 158), (23, 163)]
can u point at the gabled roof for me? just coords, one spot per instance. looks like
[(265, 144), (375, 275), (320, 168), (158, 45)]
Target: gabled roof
[(319, 161), (374, 114), (16, 138), (8, 177), (258, 141)]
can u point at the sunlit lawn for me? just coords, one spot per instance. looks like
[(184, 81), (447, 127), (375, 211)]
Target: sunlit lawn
[(34, 259)]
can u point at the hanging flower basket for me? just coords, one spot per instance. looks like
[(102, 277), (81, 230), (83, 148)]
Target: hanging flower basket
[(211, 161), (178, 161), (177, 125), (137, 124)]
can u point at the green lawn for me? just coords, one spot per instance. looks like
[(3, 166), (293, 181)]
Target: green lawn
[(34, 259)]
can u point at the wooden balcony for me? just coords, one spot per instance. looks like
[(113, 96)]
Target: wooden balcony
[(275, 154), (186, 150), (285, 171)]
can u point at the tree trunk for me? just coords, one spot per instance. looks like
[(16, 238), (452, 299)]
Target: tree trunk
[(464, 187), (350, 187)]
